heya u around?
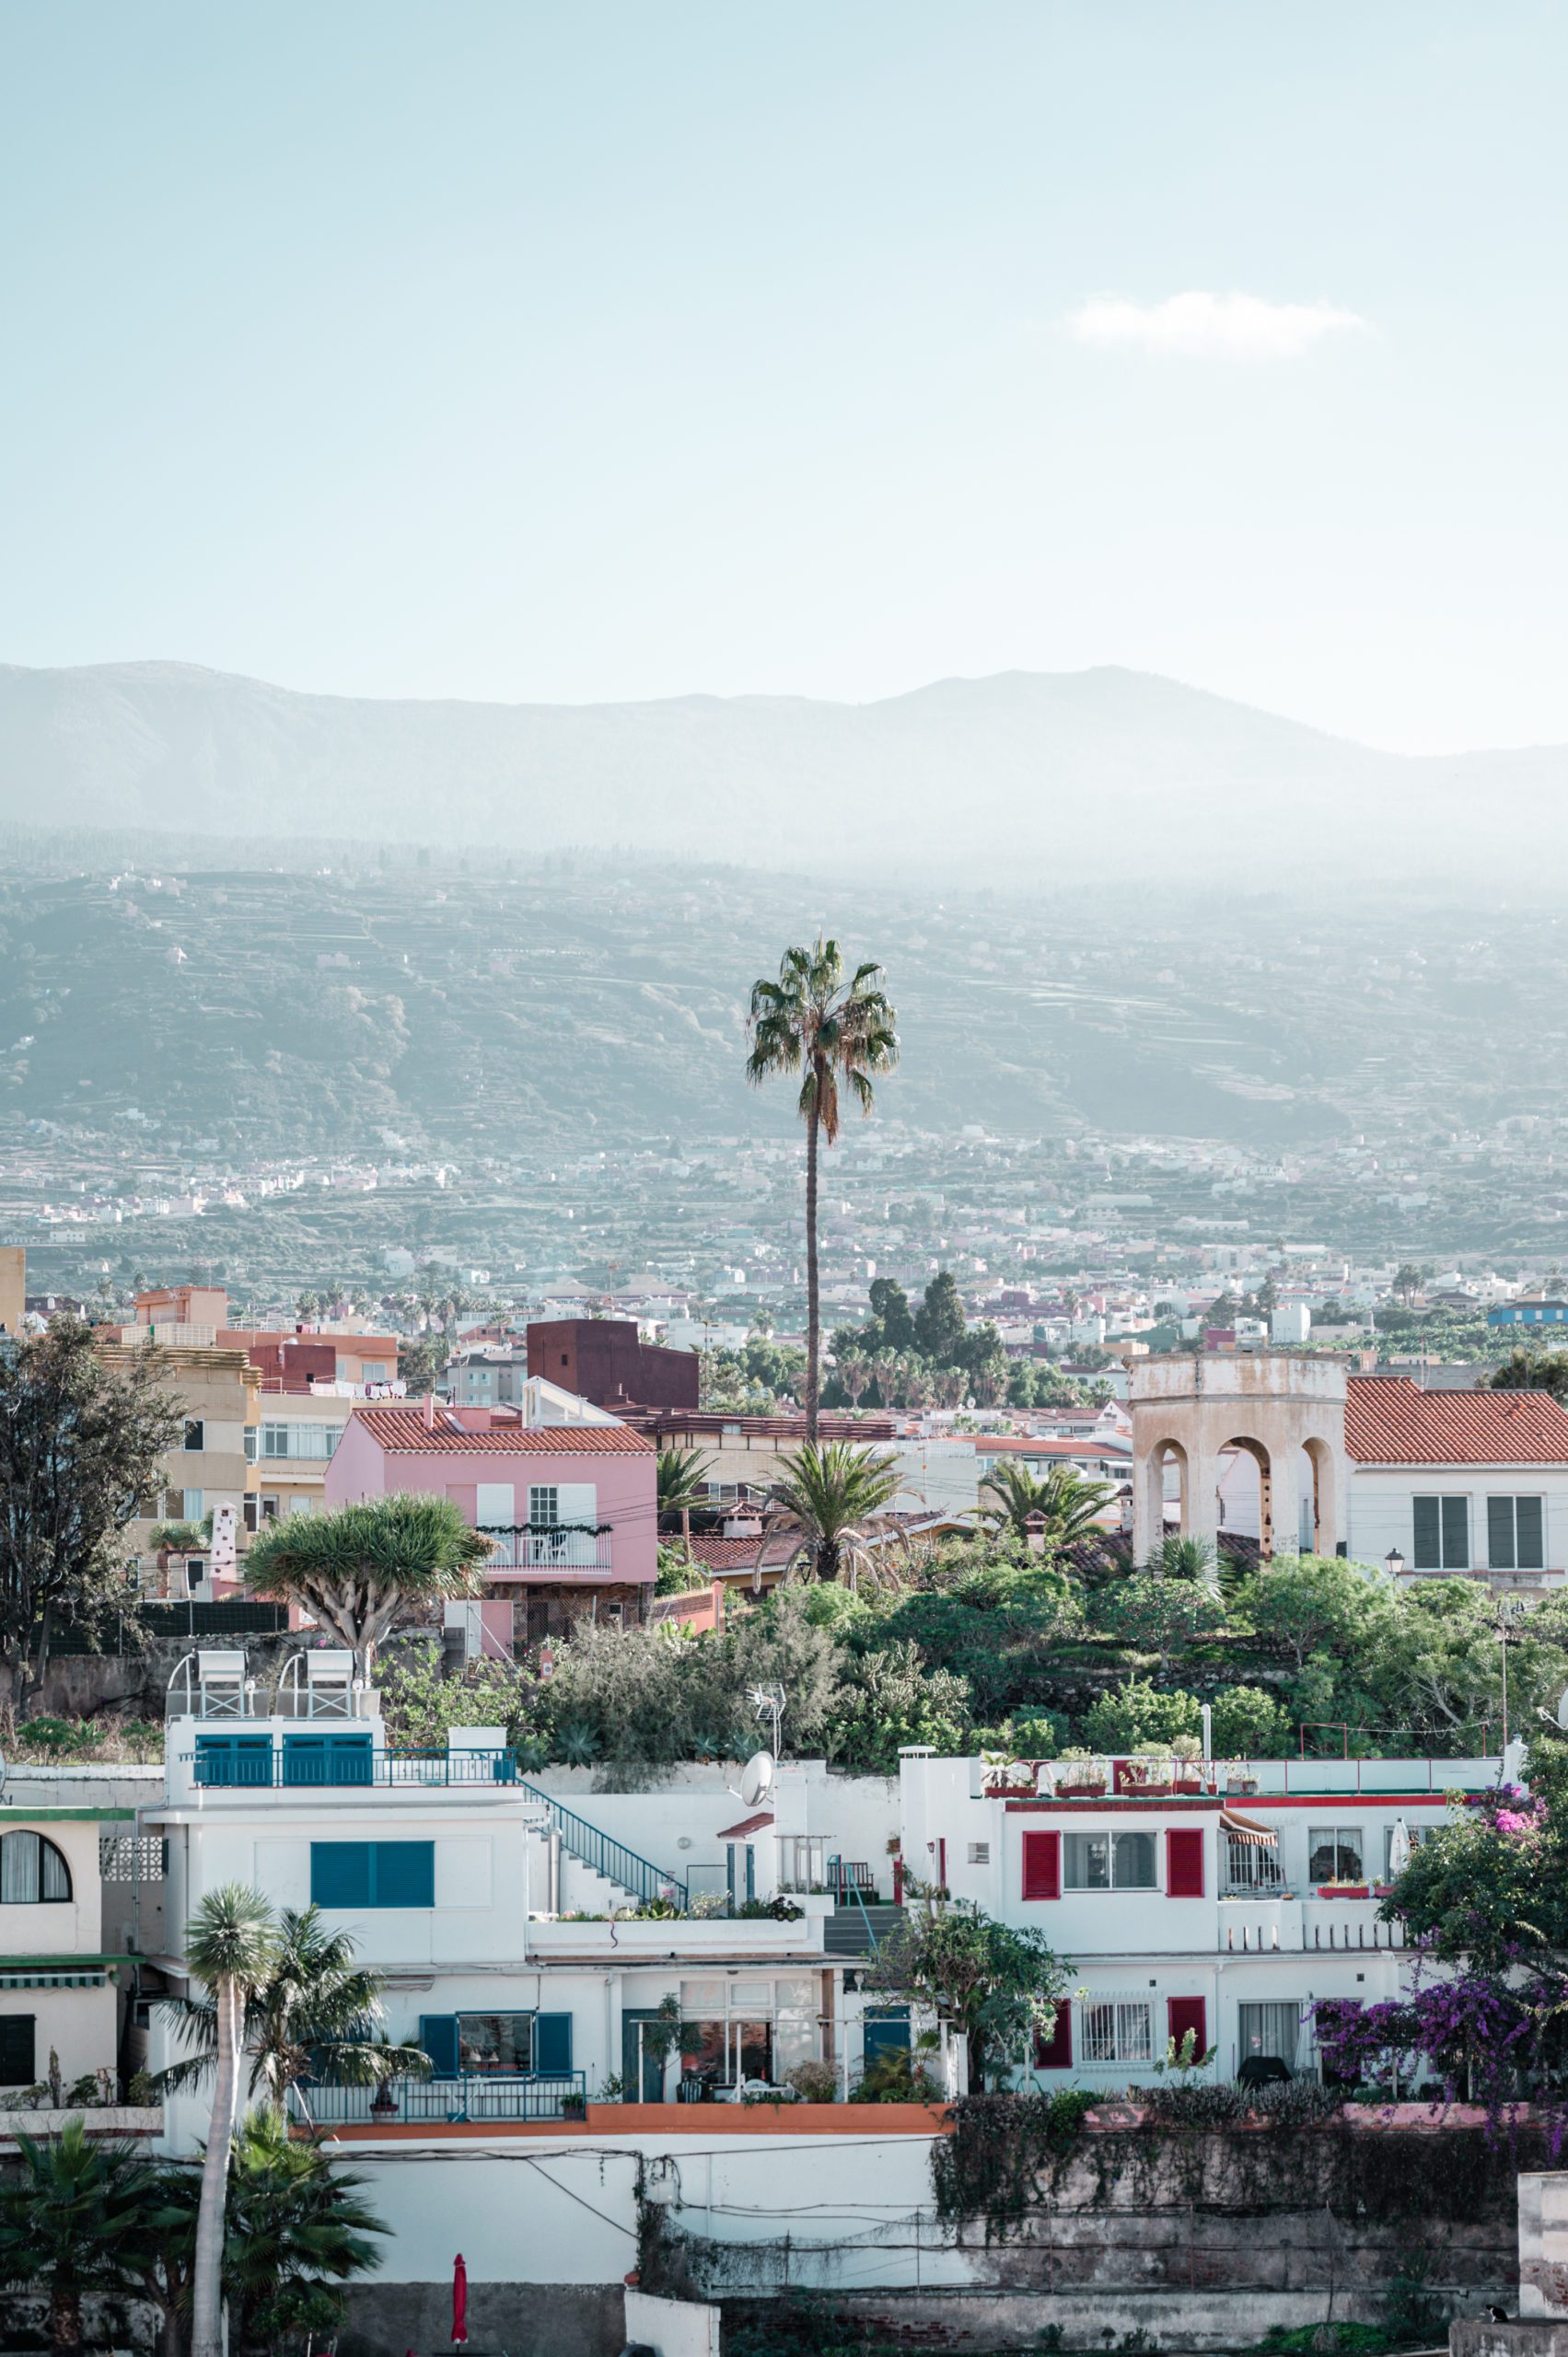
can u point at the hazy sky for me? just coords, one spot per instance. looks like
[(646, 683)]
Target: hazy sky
[(594, 351)]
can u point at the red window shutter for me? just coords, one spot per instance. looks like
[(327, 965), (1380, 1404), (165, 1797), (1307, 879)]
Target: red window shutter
[(1042, 1865), (1184, 1863), (1056, 2053), (1184, 2014)]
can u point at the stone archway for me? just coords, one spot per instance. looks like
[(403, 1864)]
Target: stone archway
[(1148, 1497), (1255, 1449), (1271, 1406)]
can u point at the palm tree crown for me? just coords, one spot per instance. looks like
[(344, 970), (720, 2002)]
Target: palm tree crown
[(314, 2015), (356, 1568), (816, 1022), (1071, 1505), (833, 1499)]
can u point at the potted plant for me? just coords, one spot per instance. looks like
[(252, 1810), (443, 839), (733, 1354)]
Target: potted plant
[(1237, 1778), (1001, 1773), (1150, 1768), (1187, 1764), (1337, 1889), (1080, 1776)]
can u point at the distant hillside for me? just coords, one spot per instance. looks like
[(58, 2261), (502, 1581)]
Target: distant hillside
[(1106, 773)]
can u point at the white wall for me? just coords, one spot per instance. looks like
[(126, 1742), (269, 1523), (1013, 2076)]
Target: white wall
[(1381, 1514)]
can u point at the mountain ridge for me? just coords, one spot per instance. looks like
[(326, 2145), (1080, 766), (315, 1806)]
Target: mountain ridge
[(950, 776)]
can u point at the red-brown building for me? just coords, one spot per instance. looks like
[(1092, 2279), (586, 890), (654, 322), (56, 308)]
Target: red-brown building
[(605, 1360)]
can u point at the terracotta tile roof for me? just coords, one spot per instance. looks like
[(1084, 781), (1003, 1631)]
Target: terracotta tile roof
[(1390, 1420), (739, 1554), (401, 1432), (747, 1824)]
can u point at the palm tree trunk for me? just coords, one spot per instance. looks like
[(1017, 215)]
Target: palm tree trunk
[(66, 2319), (813, 1311), (206, 2303)]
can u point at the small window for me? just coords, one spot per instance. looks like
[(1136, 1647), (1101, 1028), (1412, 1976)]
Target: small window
[(1515, 1535), (1119, 2029), (544, 1506), (1108, 1862), (496, 2042), (1442, 1534), (192, 1505), (18, 2049), (980, 1853), (33, 1870), (373, 1873), (195, 1433), (1334, 1854)]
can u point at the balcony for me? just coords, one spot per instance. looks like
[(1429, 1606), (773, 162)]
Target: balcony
[(528, 1548), (448, 2103), (255, 1762)]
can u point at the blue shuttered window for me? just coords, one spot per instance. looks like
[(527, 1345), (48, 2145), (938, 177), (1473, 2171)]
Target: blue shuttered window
[(234, 1760), (326, 1758), (439, 2036), (373, 1873), (552, 2042)]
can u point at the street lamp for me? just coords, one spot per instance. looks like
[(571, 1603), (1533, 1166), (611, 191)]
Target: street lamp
[(1393, 1562), (1505, 1628)]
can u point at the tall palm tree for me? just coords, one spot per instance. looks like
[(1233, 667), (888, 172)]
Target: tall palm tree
[(1010, 1494), (815, 1022), (314, 2015), (355, 1568), (682, 1478), (74, 2221), (833, 1499), (229, 1945)]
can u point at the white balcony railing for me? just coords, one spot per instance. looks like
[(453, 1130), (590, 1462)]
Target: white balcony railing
[(530, 1548)]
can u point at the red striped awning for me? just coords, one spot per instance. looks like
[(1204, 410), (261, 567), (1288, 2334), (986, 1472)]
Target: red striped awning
[(1247, 1830)]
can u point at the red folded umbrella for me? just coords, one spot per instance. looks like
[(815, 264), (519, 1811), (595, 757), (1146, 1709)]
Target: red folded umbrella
[(459, 2303)]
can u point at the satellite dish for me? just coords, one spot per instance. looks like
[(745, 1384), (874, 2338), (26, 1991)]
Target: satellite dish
[(757, 1779)]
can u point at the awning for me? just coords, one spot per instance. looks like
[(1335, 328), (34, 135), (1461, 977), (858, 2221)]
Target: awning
[(53, 1979), (1247, 1831), (747, 1825)]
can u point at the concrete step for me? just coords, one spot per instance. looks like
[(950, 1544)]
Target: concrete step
[(848, 1932)]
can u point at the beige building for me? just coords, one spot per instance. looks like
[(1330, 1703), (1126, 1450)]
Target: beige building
[(297, 1433), (211, 1465), (13, 1288), (59, 1991)]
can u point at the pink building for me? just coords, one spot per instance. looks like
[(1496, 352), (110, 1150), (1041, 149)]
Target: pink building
[(573, 1509)]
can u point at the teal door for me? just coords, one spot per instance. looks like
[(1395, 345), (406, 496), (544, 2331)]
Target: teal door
[(641, 2071)]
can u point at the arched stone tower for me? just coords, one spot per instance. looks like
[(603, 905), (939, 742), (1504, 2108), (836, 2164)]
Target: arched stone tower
[(1274, 1407)]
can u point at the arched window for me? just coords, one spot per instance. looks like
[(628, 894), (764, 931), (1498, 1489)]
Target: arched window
[(31, 1869)]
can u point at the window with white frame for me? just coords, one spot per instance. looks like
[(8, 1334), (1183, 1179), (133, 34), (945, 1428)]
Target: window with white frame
[(1418, 1836), (1334, 1854), (980, 1853), (1108, 1862), (1516, 1534), (300, 1443), (1441, 1539), (544, 1505), (1117, 2029)]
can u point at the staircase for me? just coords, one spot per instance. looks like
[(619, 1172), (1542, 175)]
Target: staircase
[(615, 1875), (848, 1932)]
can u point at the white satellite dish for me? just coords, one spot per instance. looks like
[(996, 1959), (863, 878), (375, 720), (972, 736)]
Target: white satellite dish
[(757, 1779)]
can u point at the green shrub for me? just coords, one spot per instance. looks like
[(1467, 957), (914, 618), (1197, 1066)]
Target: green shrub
[(1139, 1712), (1250, 1724)]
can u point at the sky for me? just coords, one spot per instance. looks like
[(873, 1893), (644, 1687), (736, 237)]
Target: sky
[(597, 351)]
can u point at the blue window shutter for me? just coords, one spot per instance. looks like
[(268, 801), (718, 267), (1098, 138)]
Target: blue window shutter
[(340, 1874), (326, 1758), (402, 1874), (553, 2042), (1428, 1545), (439, 2036), (1456, 1533), (886, 2032), (305, 1760), (1532, 1534), (234, 1758)]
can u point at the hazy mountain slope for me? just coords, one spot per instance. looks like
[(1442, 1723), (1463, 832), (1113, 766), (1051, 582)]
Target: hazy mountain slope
[(1084, 770)]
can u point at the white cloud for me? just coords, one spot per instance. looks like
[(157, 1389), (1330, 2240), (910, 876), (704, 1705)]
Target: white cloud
[(1228, 327)]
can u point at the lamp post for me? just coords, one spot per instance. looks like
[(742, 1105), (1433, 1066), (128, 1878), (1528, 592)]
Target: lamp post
[(1505, 1627), (1394, 1564)]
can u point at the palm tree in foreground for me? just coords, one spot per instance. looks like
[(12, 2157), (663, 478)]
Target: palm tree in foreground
[(315, 2014), (230, 1942), (682, 1480), (356, 1569), (814, 1022), (835, 1501), (299, 2229), (1071, 1506), (74, 2220)]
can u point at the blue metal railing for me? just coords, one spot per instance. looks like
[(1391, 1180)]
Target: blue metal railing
[(845, 1886), (255, 1760), (612, 1858), (467, 2096)]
